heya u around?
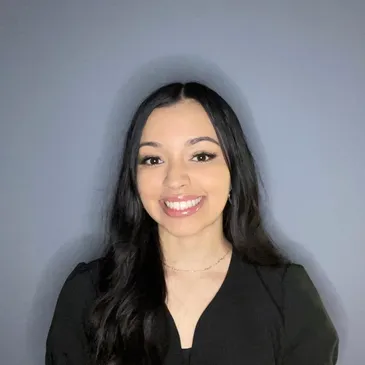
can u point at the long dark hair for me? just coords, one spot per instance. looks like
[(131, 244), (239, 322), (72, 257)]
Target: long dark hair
[(128, 321)]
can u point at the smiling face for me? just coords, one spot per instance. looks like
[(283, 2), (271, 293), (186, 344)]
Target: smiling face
[(183, 179)]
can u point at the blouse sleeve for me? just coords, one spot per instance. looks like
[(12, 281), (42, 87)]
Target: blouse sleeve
[(66, 341), (309, 335)]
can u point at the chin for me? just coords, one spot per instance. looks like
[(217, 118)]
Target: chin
[(187, 229), (183, 230)]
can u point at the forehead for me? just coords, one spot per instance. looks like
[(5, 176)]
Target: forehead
[(184, 119)]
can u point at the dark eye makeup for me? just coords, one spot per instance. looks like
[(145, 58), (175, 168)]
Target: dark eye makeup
[(204, 156), (151, 160)]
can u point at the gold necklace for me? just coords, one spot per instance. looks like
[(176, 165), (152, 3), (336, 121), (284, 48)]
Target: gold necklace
[(205, 269)]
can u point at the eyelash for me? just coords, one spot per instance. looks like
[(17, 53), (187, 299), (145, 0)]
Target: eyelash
[(210, 156), (143, 160)]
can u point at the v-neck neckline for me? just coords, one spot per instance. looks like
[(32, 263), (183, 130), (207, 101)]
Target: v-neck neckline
[(216, 299)]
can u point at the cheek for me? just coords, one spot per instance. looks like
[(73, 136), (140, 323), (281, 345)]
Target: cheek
[(149, 185), (215, 180)]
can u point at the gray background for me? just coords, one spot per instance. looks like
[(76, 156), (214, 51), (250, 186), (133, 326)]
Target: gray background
[(71, 73)]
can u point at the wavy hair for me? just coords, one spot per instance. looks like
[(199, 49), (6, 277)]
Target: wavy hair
[(128, 322)]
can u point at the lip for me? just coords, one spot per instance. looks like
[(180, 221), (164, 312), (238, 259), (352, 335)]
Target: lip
[(180, 198)]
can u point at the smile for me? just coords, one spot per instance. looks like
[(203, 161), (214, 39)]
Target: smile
[(182, 206)]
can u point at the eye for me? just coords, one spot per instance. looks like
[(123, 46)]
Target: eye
[(150, 160), (203, 157)]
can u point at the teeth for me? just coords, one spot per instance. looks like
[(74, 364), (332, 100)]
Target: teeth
[(183, 205)]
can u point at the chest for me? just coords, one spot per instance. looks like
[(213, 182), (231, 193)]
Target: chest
[(188, 299), (223, 319), (223, 338), (222, 323)]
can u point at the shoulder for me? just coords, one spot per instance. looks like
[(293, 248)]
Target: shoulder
[(287, 278), (67, 336), (81, 284), (297, 285), (309, 335), (302, 301), (85, 273), (292, 287), (78, 292)]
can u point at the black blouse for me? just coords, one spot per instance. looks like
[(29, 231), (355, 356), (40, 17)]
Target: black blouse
[(259, 316), (186, 356)]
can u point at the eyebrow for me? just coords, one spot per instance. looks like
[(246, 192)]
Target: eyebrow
[(189, 142)]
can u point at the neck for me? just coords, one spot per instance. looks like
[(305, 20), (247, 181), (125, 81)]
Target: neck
[(193, 252)]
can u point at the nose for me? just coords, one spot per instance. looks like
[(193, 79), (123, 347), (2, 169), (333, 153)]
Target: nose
[(176, 176)]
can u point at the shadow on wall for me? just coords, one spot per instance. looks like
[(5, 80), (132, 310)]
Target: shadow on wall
[(147, 78)]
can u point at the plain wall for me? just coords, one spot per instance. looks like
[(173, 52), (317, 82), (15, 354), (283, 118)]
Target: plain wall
[(71, 73)]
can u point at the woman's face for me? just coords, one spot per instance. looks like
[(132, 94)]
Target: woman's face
[(183, 179)]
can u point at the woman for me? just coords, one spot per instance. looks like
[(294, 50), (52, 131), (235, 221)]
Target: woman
[(189, 276)]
